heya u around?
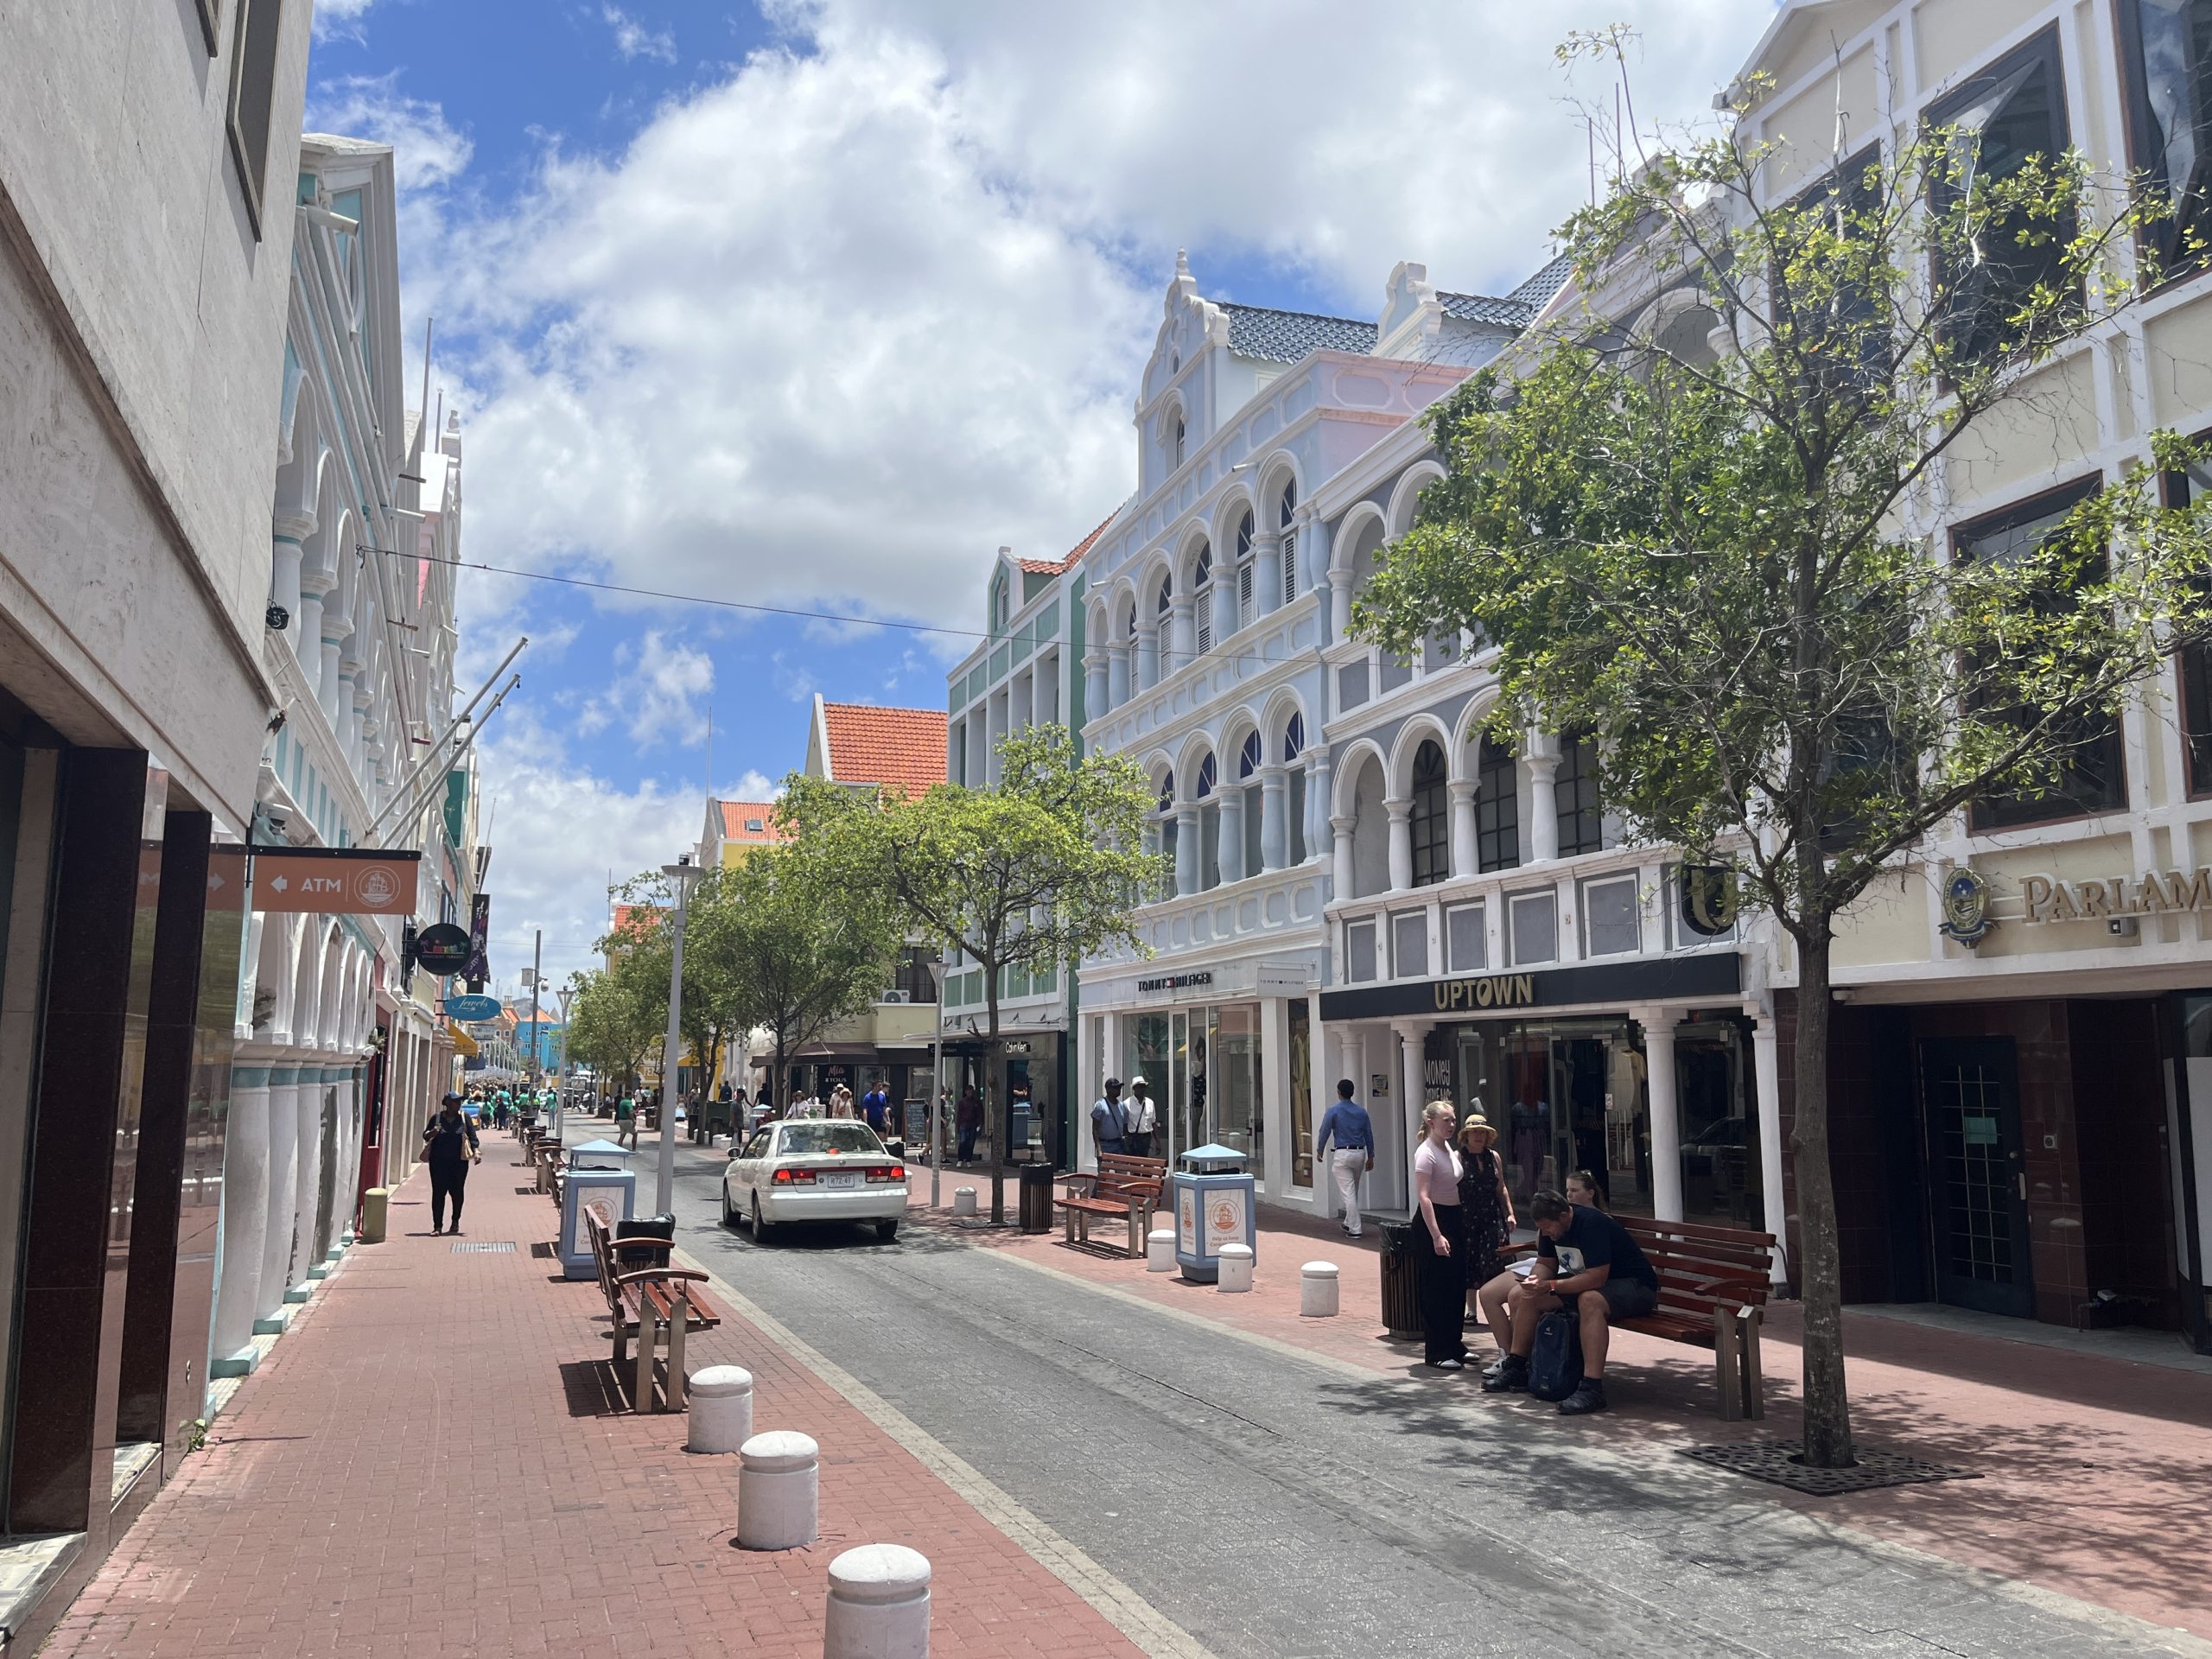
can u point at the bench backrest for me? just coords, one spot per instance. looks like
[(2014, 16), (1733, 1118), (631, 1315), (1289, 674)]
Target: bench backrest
[(1700, 1267), (1121, 1177)]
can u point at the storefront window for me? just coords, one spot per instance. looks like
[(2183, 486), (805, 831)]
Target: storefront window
[(1565, 1094), (1301, 1095), (1720, 1126), (1234, 1079)]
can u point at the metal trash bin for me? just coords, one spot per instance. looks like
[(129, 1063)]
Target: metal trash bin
[(1037, 1198), (661, 1227), (1400, 1300)]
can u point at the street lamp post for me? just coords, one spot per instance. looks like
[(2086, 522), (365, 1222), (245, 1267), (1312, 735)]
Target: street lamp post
[(680, 875), (937, 1078), (566, 993)]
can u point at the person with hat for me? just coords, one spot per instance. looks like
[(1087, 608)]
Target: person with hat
[(1109, 1122), (1144, 1119), (1486, 1206), (449, 1147)]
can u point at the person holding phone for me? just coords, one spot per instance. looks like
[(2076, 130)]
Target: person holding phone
[(449, 1147)]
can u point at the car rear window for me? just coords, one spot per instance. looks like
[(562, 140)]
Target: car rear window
[(812, 1140)]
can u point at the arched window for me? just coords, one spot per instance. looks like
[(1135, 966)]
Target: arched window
[(1163, 825), (1582, 818), (1253, 796), (1207, 778), (1166, 601), (1001, 605), (1286, 512), (1432, 818), (1202, 595), (1209, 826), (1181, 434), (1498, 808), (1245, 607)]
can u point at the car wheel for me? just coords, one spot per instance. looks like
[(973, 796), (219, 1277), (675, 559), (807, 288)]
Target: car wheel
[(729, 1210), (760, 1227), (886, 1231)]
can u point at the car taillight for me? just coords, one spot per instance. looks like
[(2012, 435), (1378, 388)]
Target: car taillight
[(794, 1178), (887, 1174)]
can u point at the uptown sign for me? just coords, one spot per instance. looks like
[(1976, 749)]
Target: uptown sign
[(2170, 893)]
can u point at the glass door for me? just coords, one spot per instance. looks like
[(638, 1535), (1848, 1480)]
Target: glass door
[(1971, 1100)]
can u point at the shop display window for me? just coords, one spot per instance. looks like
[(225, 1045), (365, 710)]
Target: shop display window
[(1720, 1126), (1234, 1118), (1465, 940), (1301, 1094)]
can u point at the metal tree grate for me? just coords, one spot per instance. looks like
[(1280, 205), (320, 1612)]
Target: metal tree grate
[(1776, 1462), (485, 1247)]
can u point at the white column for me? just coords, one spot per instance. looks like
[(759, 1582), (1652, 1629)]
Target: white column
[(1411, 1035), (283, 1188), (1666, 1111), (1228, 837), (1766, 1075), (1402, 844), (1340, 607), (1273, 836), (1117, 675), (1543, 800), (1224, 603), (1182, 632), (1463, 843), (307, 624), (1094, 682), (307, 1168), (1274, 1091), (1189, 859), (245, 1211), (1321, 1089), (1267, 572), (1317, 801), (1344, 884), (1148, 658)]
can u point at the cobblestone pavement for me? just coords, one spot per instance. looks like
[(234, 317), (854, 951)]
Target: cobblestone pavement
[(434, 1463), (1278, 1485)]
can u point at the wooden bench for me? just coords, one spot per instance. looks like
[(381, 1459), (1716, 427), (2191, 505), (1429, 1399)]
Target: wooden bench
[(1123, 1187), (658, 1307), (1713, 1283)]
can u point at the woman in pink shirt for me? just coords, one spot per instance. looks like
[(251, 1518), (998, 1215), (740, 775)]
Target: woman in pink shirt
[(1437, 1239)]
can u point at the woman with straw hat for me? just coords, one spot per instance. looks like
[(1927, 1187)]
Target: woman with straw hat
[(1485, 1206)]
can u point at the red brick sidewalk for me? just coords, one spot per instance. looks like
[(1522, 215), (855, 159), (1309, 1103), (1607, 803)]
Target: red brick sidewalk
[(2093, 1470), (430, 1463)]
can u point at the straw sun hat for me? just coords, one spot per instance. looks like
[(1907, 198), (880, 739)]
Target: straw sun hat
[(1475, 1123)]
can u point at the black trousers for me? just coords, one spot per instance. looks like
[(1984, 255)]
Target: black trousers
[(1439, 1284), (447, 1180)]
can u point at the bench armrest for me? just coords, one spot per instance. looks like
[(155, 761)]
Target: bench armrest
[(649, 1275)]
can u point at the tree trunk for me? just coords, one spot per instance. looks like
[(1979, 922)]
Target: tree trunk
[(1828, 1405), (1000, 1120), (780, 1083)]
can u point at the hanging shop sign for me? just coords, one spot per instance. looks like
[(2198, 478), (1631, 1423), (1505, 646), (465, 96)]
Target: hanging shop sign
[(472, 1009), (1604, 984), (334, 881), (442, 949), (2153, 892), (480, 941), (1709, 899)]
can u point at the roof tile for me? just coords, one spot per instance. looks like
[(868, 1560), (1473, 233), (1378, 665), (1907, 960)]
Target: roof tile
[(1289, 336), (739, 817), (900, 748)]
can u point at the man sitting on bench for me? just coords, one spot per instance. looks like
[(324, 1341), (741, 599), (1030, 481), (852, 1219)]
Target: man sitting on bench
[(1582, 1256)]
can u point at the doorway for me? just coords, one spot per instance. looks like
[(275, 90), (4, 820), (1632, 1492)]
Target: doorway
[(1970, 1105)]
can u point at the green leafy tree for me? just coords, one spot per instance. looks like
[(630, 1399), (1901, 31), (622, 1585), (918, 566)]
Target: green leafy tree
[(713, 1015), (1032, 875), (1721, 551), (613, 1021)]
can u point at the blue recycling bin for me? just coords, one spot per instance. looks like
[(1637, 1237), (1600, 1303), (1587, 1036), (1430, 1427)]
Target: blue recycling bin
[(597, 1181), (1214, 1206)]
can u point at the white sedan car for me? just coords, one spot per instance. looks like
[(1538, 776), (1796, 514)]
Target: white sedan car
[(813, 1169)]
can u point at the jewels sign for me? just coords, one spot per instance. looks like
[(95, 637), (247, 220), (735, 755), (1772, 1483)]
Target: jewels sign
[(334, 881)]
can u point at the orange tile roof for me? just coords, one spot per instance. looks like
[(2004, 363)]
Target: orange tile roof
[(902, 748), (737, 814), (624, 912), (1057, 567)]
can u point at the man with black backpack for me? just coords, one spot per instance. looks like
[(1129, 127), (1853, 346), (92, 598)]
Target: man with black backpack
[(1586, 1262)]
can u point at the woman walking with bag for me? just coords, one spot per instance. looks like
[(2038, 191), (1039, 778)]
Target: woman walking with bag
[(449, 1147), (1439, 1282)]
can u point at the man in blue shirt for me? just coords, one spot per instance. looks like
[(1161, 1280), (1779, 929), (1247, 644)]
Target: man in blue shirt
[(1347, 1125), (875, 1106)]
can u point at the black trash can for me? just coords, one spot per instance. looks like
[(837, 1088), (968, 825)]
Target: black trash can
[(1400, 1299), (661, 1227), (1037, 1198)]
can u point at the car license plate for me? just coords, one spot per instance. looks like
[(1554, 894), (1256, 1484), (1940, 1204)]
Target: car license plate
[(840, 1180)]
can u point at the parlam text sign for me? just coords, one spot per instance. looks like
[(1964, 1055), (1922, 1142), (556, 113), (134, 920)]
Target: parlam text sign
[(334, 881), (2167, 893)]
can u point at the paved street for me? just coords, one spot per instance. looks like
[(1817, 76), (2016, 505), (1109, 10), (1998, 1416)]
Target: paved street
[(1275, 1505)]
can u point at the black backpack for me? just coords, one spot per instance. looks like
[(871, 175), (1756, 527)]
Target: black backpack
[(1555, 1362)]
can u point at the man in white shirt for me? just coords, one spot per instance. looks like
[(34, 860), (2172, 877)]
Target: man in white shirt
[(1144, 1119)]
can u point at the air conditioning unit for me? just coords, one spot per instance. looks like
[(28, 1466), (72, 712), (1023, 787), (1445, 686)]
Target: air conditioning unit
[(897, 996)]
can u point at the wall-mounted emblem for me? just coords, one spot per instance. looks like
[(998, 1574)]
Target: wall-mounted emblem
[(1709, 899), (1966, 906)]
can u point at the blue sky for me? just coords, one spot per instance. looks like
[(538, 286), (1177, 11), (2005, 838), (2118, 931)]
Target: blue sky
[(815, 303)]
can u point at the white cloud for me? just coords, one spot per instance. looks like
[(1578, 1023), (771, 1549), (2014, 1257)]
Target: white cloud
[(339, 19), (428, 152), (634, 39)]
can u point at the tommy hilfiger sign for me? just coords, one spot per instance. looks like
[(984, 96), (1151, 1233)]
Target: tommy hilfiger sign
[(2047, 898), (1175, 981)]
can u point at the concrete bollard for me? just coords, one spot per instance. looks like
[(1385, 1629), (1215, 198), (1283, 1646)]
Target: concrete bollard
[(964, 1200), (1235, 1268), (375, 1207), (878, 1605), (1160, 1250), (778, 1498), (722, 1408), (1316, 1290)]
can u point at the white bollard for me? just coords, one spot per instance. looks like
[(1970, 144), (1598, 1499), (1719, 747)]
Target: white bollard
[(778, 1499), (1160, 1250), (964, 1200), (878, 1605), (1316, 1290), (1235, 1268), (722, 1408)]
